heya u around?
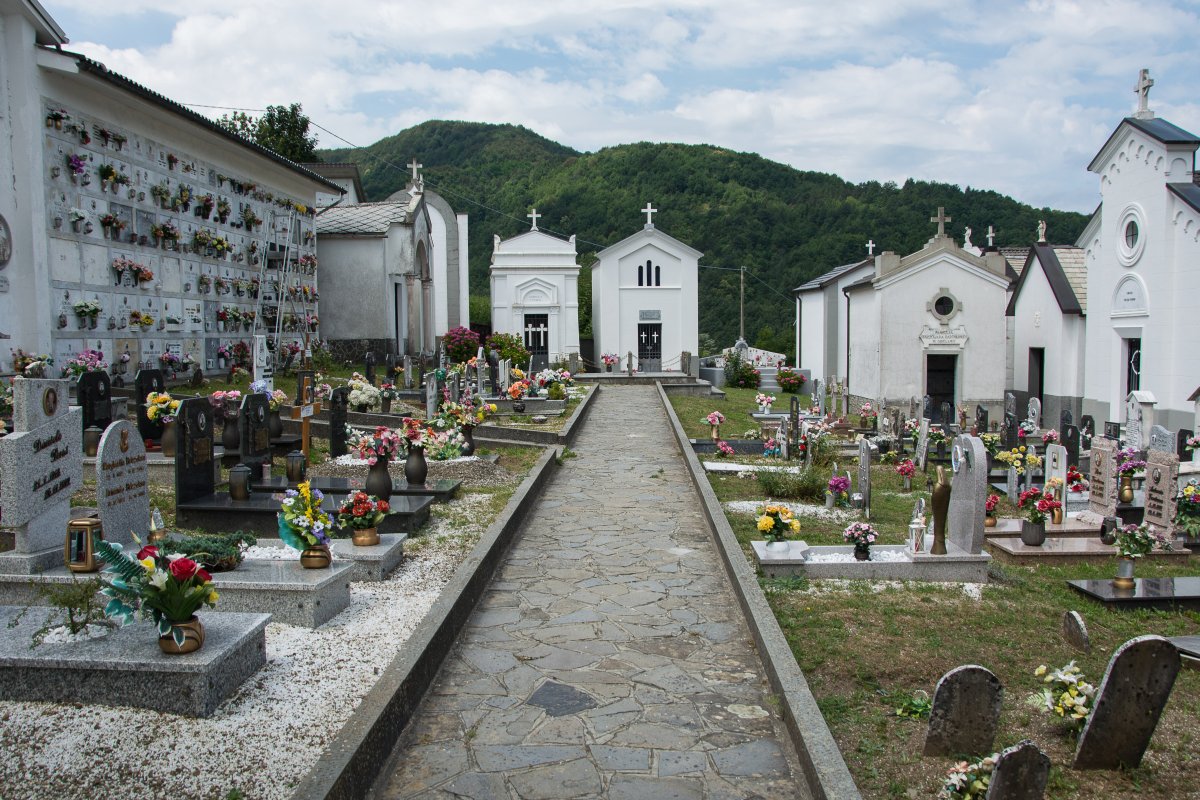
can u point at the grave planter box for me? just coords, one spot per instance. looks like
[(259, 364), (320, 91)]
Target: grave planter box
[(126, 668)]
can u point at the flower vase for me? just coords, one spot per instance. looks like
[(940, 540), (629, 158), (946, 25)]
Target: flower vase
[(1033, 534), (862, 553), (1124, 578), (365, 537), (415, 468), (379, 480), (989, 521), (829, 500), (864, 422), (386, 406), (193, 637), (316, 557), (908, 484), (608, 367), (716, 433), (231, 435), (468, 448), (167, 442), (1057, 518), (274, 425), (1125, 494), (778, 546)]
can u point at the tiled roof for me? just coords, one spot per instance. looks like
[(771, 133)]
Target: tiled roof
[(1187, 192), (1015, 256), (364, 219), (1071, 259), (828, 277)]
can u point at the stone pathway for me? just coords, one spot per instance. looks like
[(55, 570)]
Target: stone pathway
[(609, 658)]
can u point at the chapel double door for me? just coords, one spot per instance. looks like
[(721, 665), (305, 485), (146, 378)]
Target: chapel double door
[(537, 340), (649, 342)]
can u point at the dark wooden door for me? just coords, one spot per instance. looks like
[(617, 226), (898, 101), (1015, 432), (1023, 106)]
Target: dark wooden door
[(537, 340), (939, 384)]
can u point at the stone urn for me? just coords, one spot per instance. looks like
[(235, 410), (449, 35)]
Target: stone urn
[(416, 470)]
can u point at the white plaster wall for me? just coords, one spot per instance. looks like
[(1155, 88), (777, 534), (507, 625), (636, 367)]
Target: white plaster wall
[(359, 304), (535, 273), (812, 333), (464, 280), (866, 377), (1039, 322), (439, 269), (1135, 174)]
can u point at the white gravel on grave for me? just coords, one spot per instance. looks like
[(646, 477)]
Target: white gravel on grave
[(63, 635), (269, 734), (973, 591), (258, 552), (847, 558), (799, 509)]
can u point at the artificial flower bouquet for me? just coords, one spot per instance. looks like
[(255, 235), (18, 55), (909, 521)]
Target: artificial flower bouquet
[(362, 392), (302, 523), (161, 408), (1050, 436), (764, 399), (990, 505), (906, 468), (384, 443), (465, 412), (518, 389), (839, 489), (1075, 480), (724, 449), (87, 361), (991, 442), (1136, 541), (1037, 505), (1067, 694), (1128, 463), (1019, 458), (416, 433), (388, 392), (360, 511), (609, 359), (715, 418), (861, 535), (1187, 512), (969, 780), (166, 588), (777, 522), (226, 404)]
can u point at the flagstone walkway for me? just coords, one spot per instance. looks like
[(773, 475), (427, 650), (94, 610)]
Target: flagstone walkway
[(609, 658)]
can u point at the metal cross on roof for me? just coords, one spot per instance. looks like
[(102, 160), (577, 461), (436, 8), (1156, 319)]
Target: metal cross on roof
[(649, 211), (941, 219), (414, 166), (1143, 92), (533, 215), (871, 247), (991, 236)]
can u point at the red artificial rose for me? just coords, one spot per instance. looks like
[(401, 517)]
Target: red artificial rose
[(383, 506), (149, 551), (203, 575), (183, 568)]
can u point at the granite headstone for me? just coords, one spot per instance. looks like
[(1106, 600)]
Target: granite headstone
[(1135, 434), (1181, 447), (923, 444), (122, 496), (194, 476), (981, 419), (408, 372), (1161, 487), (968, 493), (1020, 773), (431, 399), (966, 712), (369, 363), (255, 431), (864, 475), (1070, 440), (1056, 466), (1035, 413), (1075, 632), (339, 408), (1161, 439), (94, 394), (1102, 478)]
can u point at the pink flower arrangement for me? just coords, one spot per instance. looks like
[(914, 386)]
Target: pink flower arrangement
[(715, 418), (724, 449), (989, 505), (906, 468), (384, 444), (1050, 436)]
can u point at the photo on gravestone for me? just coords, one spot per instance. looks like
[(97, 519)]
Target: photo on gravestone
[(256, 432), (1112, 430), (94, 394), (339, 407), (147, 381), (122, 494), (194, 473)]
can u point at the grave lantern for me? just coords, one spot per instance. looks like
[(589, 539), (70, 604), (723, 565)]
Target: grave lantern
[(91, 440), (239, 482), (297, 465), (78, 551)]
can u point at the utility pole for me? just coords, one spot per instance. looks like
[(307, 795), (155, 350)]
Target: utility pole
[(742, 305)]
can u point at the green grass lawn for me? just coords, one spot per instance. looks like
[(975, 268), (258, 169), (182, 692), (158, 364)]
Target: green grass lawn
[(865, 647), (737, 407)]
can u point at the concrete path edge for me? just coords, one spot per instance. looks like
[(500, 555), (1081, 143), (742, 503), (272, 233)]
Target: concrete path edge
[(826, 771), (353, 761)]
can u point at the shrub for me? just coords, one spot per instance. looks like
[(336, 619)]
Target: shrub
[(807, 484), (741, 373), (556, 392), (462, 344), (510, 346), (789, 380), (216, 552)]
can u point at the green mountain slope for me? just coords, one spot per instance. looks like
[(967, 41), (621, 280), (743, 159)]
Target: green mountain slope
[(785, 225)]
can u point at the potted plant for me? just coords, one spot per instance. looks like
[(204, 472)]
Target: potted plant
[(777, 522), (1128, 465), (387, 394), (1135, 541), (168, 589), (906, 469), (305, 527), (714, 420), (837, 492), (216, 552), (1036, 507), (361, 514), (862, 536), (989, 510), (866, 416)]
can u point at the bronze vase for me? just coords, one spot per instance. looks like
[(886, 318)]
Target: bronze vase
[(167, 443), (365, 537), (1125, 495), (193, 637), (316, 557)]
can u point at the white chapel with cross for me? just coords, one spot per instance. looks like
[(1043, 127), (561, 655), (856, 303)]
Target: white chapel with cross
[(535, 292), (645, 298)]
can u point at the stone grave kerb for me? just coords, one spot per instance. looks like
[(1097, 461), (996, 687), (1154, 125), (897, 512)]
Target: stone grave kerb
[(339, 406), (41, 466), (93, 392), (968, 493), (194, 471), (1128, 703), (255, 431), (145, 382), (122, 494)]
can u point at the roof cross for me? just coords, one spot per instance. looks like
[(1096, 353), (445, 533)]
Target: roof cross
[(414, 166), (649, 211), (534, 216), (871, 247), (991, 237), (1142, 90), (941, 219)]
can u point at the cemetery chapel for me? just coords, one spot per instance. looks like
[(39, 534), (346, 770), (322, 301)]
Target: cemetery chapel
[(644, 298)]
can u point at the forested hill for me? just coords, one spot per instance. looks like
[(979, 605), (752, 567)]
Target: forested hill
[(784, 225)]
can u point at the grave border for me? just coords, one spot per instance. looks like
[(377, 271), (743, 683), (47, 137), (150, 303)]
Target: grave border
[(826, 772), (353, 761)]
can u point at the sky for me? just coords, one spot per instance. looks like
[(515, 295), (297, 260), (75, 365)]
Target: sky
[(1014, 97)]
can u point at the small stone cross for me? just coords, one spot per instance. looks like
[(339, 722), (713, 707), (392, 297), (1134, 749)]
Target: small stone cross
[(1142, 90), (991, 236), (941, 219), (871, 247), (534, 216), (649, 211), (414, 166)]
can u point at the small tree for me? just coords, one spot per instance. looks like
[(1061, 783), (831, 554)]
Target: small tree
[(282, 129), (510, 346), (462, 344)]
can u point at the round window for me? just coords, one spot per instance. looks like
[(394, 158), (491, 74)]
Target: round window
[(944, 306), (1131, 234)]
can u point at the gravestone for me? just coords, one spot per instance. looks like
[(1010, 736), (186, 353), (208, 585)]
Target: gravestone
[(263, 365), (390, 367), (41, 466), (1008, 437), (408, 372), (1161, 487), (927, 407), (455, 388), (369, 367), (573, 362), (981, 419), (1035, 413), (794, 428), (968, 492), (923, 444), (1075, 631), (339, 408), (1020, 773), (255, 432), (912, 407), (145, 382), (1010, 403), (1066, 418), (818, 394), (1070, 440), (494, 370), (1128, 703), (1087, 430), (1112, 430), (504, 376), (629, 363), (1056, 466), (1012, 485), (1102, 478), (864, 475), (431, 400), (946, 414), (94, 394), (966, 712), (1161, 439), (122, 497), (194, 476)]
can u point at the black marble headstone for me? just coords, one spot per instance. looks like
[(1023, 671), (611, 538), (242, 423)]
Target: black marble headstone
[(1066, 418), (147, 381), (392, 366), (494, 371), (256, 433), (94, 392), (339, 406), (1070, 440), (302, 376), (1181, 444), (1112, 430), (927, 407), (1009, 437), (369, 367), (194, 477), (946, 412), (981, 419)]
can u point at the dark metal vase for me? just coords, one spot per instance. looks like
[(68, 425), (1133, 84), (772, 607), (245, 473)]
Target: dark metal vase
[(468, 448), (416, 470), (231, 437), (379, 480), (274, 425)]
